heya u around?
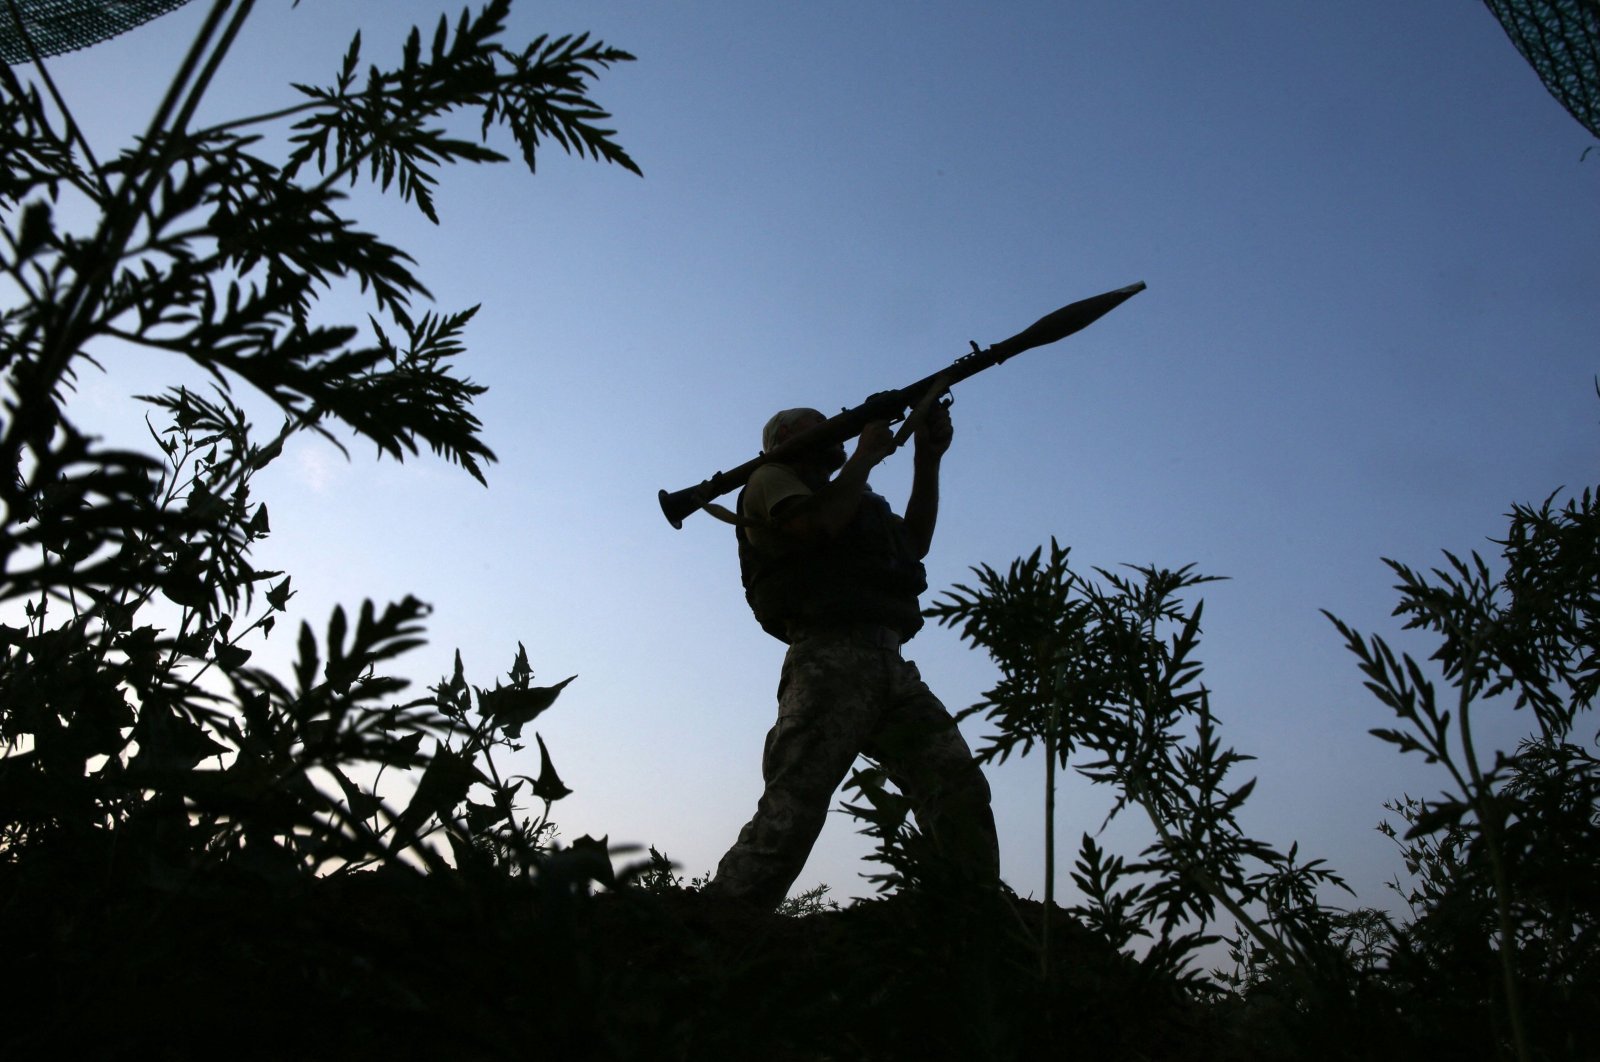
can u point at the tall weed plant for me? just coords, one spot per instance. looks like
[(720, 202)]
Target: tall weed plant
[(1499, 954), (1104, 667), (1505, 905), (138, 736)]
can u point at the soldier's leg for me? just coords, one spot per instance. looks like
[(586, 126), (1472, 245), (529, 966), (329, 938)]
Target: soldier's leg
[(824, 715), (924, 754)]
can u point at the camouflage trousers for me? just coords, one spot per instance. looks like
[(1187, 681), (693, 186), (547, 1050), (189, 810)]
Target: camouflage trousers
[(844, 693)]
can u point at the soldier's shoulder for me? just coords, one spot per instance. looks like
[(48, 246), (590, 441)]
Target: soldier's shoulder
[(776, 481), (770, 487), (774, 472)]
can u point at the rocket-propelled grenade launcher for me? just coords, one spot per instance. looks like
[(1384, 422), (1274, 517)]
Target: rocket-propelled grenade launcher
[(892, 405)]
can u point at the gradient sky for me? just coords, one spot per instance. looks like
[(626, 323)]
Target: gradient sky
[(1370, 244)]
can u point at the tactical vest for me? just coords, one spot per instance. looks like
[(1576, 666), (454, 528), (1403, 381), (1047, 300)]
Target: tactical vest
[(868, 573)]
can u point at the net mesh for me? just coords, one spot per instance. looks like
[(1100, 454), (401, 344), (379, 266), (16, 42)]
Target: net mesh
[(56, 26), (1561, 40)]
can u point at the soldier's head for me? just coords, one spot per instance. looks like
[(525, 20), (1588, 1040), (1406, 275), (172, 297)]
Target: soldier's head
[(788, 423)]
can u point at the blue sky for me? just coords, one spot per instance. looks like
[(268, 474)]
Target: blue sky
[(1370, 246)]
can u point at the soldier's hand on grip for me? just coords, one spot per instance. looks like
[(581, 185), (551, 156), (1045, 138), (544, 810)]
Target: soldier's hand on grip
[(933, 435), (876, 442)]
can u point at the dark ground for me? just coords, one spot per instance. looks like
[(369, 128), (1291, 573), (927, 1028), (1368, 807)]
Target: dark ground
[(396, 965)]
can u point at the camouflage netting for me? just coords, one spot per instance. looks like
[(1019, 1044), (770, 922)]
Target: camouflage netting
[(1561, 40), (56, 26)]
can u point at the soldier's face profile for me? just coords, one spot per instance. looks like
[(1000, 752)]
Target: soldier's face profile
[(833, 458), (830, 456)]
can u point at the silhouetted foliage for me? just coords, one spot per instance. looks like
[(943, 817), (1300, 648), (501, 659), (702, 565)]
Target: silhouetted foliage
[(1110, 668), (136, 726), (1499, 957), (1504, 901), (201, 853), (145, 756)]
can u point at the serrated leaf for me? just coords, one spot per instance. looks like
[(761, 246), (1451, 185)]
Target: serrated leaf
[(278, 596), (407, 748), (444, 784), (362, 805), (170, 743), (548, 786), (1436, 817), (482, 816), (230, 657), (588, 859), (511, 707)]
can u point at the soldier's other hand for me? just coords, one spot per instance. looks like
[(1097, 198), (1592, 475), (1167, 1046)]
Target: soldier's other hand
[(933, 435), (876, 442)]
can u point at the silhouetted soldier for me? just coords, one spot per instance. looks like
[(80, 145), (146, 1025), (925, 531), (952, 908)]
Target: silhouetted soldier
[(832, 571)]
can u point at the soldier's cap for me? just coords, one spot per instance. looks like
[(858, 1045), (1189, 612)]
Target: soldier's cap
[(781, 422)]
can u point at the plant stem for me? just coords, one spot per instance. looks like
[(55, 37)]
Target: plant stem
[(1267, 940), (1488, 811), (1051, 737), (1049, 846), (69, 327)]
